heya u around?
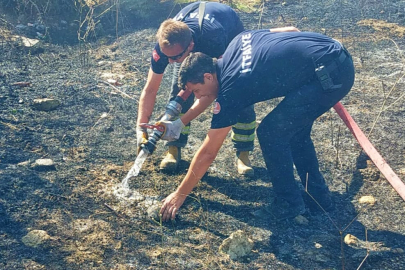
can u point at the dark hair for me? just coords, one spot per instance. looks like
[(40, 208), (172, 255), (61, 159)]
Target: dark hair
[(193, 68)]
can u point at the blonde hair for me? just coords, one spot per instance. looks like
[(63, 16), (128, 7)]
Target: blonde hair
[(173, 32)]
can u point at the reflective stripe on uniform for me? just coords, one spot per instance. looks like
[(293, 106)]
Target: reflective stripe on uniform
[(243, 138), (185, 130), (245, 126)]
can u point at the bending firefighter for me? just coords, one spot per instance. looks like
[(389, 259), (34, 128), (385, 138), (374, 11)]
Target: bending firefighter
[(199, 27), (311, 71)]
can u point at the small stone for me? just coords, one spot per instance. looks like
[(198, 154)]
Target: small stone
[(108, 75), (21, 101), (112, 81), (351, 240), (33, 46), (102, 63), (35, 238), (118, 245), (24, 163), (301, 220), (153, 212), (44, 164), (367, 200), (237, 245), (45, 104), (28, 42), (152, 204)]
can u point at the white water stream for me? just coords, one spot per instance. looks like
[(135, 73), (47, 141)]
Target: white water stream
[(123, 191), (134, 171)]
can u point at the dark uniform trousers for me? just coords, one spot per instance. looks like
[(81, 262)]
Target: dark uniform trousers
[(285, 133), (243, 132)]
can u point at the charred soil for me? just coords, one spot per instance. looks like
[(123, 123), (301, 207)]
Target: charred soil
[(90, 137)]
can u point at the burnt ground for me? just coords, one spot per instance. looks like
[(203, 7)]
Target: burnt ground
[(91, 138)]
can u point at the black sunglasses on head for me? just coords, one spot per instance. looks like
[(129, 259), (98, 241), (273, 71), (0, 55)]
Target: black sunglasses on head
[(177, 57)]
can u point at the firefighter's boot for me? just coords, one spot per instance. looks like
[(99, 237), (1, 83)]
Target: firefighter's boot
[(243, 164), (172, 159)]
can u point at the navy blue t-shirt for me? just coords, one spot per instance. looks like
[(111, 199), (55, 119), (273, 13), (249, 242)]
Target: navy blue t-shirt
[(220, 25), (261, 65)]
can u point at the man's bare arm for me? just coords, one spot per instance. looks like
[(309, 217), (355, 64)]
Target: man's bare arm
[(198, 167), (148, 97), (285, 29)]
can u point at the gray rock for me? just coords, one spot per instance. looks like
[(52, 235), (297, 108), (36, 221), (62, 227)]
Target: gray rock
[(237, 245), (152, 205), (45, 104), (44, 164), (301, 220), (24, 163), (153, 212), (29, 45), (36, 238), (368, 200)]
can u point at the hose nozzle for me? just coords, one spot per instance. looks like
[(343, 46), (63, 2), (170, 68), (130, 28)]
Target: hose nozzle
[(158, 131)]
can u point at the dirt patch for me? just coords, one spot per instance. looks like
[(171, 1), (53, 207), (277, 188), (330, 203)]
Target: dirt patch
[(90, 137), (384, 28)]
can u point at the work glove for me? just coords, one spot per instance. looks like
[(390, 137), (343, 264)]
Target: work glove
[(172, 129), (141, 137)]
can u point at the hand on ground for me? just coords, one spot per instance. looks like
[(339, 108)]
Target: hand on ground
[(171, 205)]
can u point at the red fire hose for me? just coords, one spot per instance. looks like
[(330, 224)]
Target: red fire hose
[(378, 160)]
